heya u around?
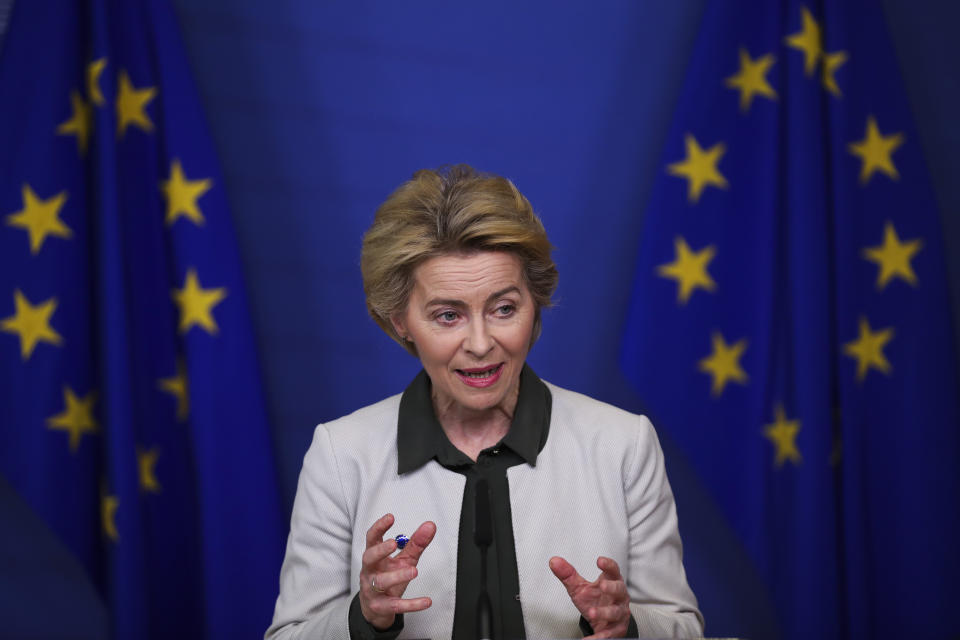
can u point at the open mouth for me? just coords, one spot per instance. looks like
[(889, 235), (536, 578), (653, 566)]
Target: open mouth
[(481, 373), (481, 376)]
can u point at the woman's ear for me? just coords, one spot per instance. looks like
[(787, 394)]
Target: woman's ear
[(398, 325)]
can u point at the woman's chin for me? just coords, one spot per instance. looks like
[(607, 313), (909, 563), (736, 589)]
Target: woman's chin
[(476, 399)]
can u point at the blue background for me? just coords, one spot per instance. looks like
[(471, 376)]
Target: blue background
[(319, 110)]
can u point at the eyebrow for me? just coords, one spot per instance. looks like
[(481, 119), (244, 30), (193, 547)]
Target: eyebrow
[(459, 303)]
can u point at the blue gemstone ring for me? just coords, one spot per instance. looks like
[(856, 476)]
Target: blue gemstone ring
[(402, 541)]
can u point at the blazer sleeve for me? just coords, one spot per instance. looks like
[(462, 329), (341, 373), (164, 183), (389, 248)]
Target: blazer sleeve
[(315, 590), (662, 603)]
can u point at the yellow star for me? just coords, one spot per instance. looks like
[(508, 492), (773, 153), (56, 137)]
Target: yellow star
[(196, 304), (40, 218), (94, 69), (807, 40), (147, 462), (724, 363), (689, 269), (868, 350), (893, 257), (783, 434), (832, 62), (178, 386), (76, 417), (31, 323), (108, 516), (751, 79), (700, 167), (131, 103), (875, 150), (80, 123), (182, 195)]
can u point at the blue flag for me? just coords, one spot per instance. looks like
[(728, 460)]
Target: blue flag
[(133, 420), (789, 324)]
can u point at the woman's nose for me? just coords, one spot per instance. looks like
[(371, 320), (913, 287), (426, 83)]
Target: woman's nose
[(479, 342)]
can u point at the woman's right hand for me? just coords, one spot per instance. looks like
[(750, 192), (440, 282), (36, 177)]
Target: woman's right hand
[(383, 578)]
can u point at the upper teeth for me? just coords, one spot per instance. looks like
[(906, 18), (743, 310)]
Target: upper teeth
[(480, 374)]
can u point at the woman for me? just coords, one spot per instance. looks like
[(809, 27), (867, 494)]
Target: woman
[(511, 486)]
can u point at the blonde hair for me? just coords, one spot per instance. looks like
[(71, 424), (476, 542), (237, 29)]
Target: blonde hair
[(450, 210)]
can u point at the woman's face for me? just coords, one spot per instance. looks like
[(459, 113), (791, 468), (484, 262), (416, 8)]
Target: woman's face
[(471, 319)]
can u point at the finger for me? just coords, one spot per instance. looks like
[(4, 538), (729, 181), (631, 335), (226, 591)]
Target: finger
[(602, 616), (609, 567), (419, 541), (385, 606), (566, 573), (378, 552), (609, 633), (616, 589), (387, 580), (380, 527), (608, 622)]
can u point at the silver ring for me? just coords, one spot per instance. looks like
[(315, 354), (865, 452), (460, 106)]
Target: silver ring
[(373, 585)]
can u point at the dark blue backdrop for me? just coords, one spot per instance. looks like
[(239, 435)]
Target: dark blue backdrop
[(319, 110)]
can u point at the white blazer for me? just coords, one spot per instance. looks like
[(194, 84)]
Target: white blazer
[(598, 488)]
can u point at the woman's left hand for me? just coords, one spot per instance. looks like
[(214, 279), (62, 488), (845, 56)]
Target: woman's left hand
[(604, 602)]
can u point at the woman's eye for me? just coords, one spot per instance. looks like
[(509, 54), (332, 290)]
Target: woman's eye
[(505, 309), (447, 316)]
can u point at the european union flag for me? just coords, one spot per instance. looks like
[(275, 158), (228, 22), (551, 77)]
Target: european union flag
[(789, 325), (133, 421)]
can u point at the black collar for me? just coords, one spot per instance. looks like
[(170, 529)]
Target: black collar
[(420, 438)]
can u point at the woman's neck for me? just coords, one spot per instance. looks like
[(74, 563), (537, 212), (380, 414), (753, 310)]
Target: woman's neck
[(473, 431)]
